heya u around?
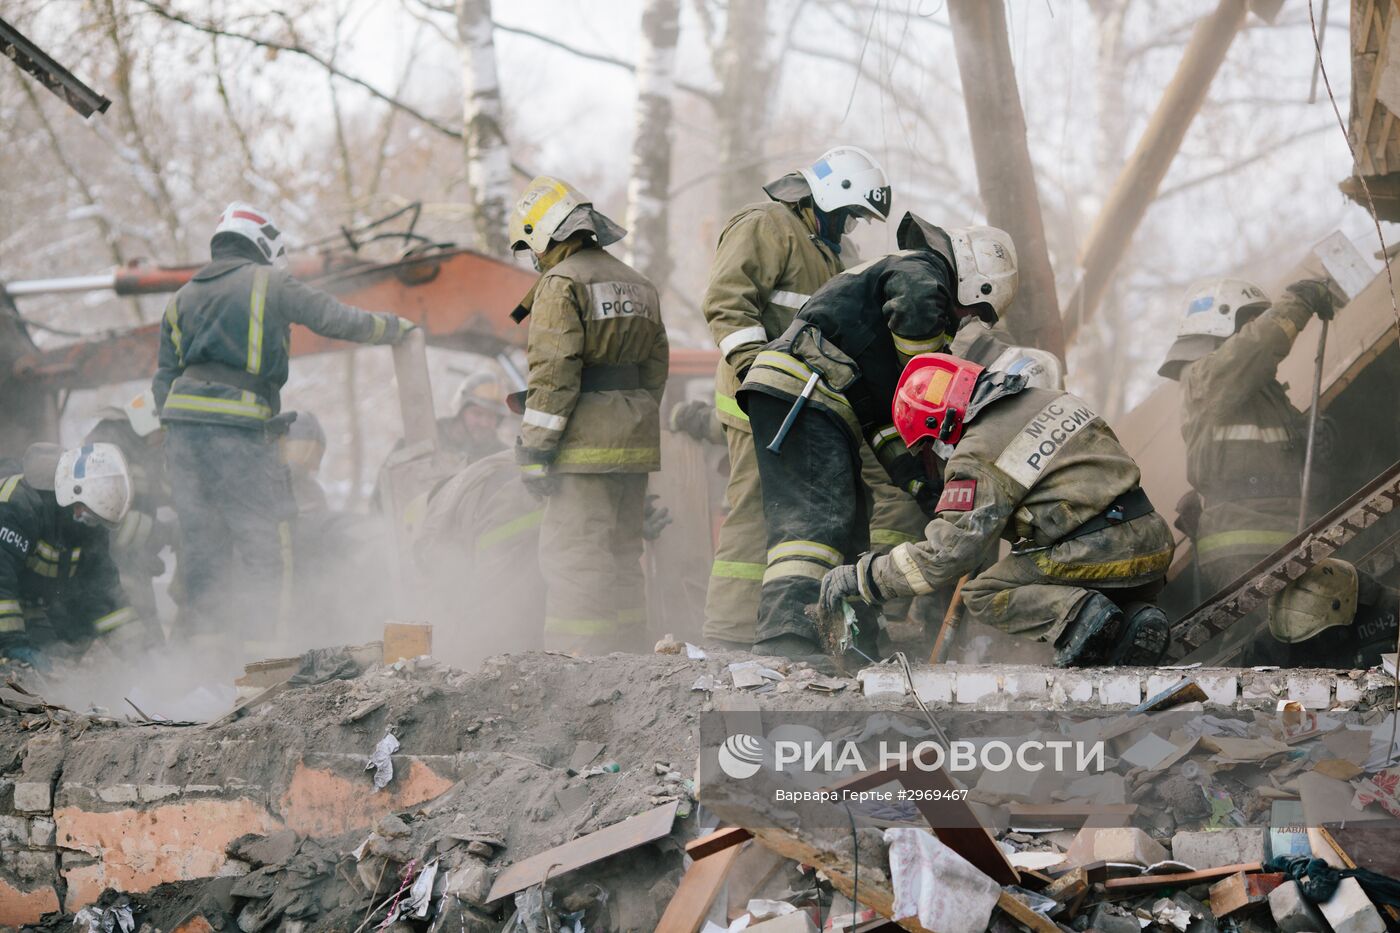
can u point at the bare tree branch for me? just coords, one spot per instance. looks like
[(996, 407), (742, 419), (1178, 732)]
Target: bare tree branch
[(295, 49), (98, 214), (156, 191), (1234, 167), (600, 57)]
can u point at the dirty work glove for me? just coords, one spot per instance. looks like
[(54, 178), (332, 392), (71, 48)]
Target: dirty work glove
[(534, 470), (693, 419), (654, 519), (404, 325), (1316, 296), (848, 582)]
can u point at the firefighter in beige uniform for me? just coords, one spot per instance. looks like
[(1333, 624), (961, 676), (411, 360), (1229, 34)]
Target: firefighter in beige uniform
[(1244, 439), (591, 430), (771, 257), (1039, 468)]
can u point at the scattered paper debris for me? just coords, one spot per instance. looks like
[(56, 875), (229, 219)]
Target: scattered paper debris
[(381, 762)]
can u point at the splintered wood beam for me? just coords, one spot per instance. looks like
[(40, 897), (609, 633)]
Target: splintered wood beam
[(1137, 185), (1005, 175)]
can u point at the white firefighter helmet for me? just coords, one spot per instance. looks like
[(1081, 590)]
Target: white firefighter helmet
[(847, 177), (480, 390), (1040, 367), (255, 226), (1320, 599), (1214, 309), (96, 477), (553, 209), (983, 259)]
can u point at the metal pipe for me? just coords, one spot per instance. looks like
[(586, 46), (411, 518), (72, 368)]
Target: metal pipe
[(79, 283), (1312, 427)]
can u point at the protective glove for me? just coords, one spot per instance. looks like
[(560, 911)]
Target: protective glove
[(850, 581), (1316, 296), (693, 419), (404, 326), (534, 470), (654, 519), (839, 585)]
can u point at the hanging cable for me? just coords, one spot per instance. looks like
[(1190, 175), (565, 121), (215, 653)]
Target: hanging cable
[(1390, 283)]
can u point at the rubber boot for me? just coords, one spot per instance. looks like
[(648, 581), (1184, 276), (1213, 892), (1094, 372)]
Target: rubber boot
[(1090, 635), (1144, 638)]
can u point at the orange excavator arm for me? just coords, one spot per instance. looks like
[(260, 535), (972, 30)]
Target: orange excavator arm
[(461, 299)]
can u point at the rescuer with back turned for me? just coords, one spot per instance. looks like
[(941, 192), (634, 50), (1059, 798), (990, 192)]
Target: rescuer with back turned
[(224, 355), (590, 431)]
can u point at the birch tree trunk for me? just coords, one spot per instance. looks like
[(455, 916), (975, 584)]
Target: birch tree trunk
[(648, 241), (745, 70), (488, 157)]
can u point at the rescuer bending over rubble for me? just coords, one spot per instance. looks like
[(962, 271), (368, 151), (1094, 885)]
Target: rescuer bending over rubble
[(822, 391), (1041, 469), (57, 577)]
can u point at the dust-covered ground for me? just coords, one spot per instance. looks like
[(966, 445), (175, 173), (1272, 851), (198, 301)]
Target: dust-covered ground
[(522, 735)]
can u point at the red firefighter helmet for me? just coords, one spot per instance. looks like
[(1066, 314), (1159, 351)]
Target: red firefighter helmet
[(932, 398)]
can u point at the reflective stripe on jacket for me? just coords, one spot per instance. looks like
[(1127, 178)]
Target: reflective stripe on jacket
[(46, 557), (1030, 468), (235, 315), (768, 263), (1245, 441), (592, 311)]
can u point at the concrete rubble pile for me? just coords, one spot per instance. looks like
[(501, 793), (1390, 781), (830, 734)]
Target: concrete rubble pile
[(551, 793)]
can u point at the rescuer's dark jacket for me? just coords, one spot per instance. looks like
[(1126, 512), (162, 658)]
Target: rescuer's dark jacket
[(50, 562), (225, 337), (858, 331)]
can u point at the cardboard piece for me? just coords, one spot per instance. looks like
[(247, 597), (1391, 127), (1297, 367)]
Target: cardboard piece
[(585, 850), (407, 640)]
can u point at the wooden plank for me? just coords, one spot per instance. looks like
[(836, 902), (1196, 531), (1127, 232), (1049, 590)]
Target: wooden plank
[(966, 836), (1242, 892), (944, 641), (1179, 879), (1114, 814), (873, 892), (717, 841), (585, 850), (696, 893), (1021, 913)]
